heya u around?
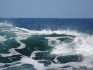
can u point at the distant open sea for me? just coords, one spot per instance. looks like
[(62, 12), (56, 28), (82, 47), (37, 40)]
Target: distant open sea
[(46, 44)]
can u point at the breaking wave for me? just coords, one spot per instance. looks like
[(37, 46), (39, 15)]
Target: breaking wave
[(21, 48)]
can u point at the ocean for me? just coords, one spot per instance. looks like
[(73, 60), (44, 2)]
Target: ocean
[(46, 44)]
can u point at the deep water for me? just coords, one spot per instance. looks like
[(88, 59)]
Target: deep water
[(46, 44)]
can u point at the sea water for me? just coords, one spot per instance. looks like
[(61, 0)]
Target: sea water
[(46, 44)]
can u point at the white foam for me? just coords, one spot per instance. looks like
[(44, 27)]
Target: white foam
[(27, 60), (84, 45), (81, 44), (12, 52), (5, 24), (2, 38), (22, 45)]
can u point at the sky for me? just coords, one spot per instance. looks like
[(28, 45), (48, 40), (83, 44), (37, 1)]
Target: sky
[(46, 8)]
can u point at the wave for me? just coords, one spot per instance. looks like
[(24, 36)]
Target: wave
[(46, 48)]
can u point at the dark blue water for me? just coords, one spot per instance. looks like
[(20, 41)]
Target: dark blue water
[(46, 44), (83, 25)]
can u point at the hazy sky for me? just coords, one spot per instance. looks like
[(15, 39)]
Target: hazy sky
[(46, 8)]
